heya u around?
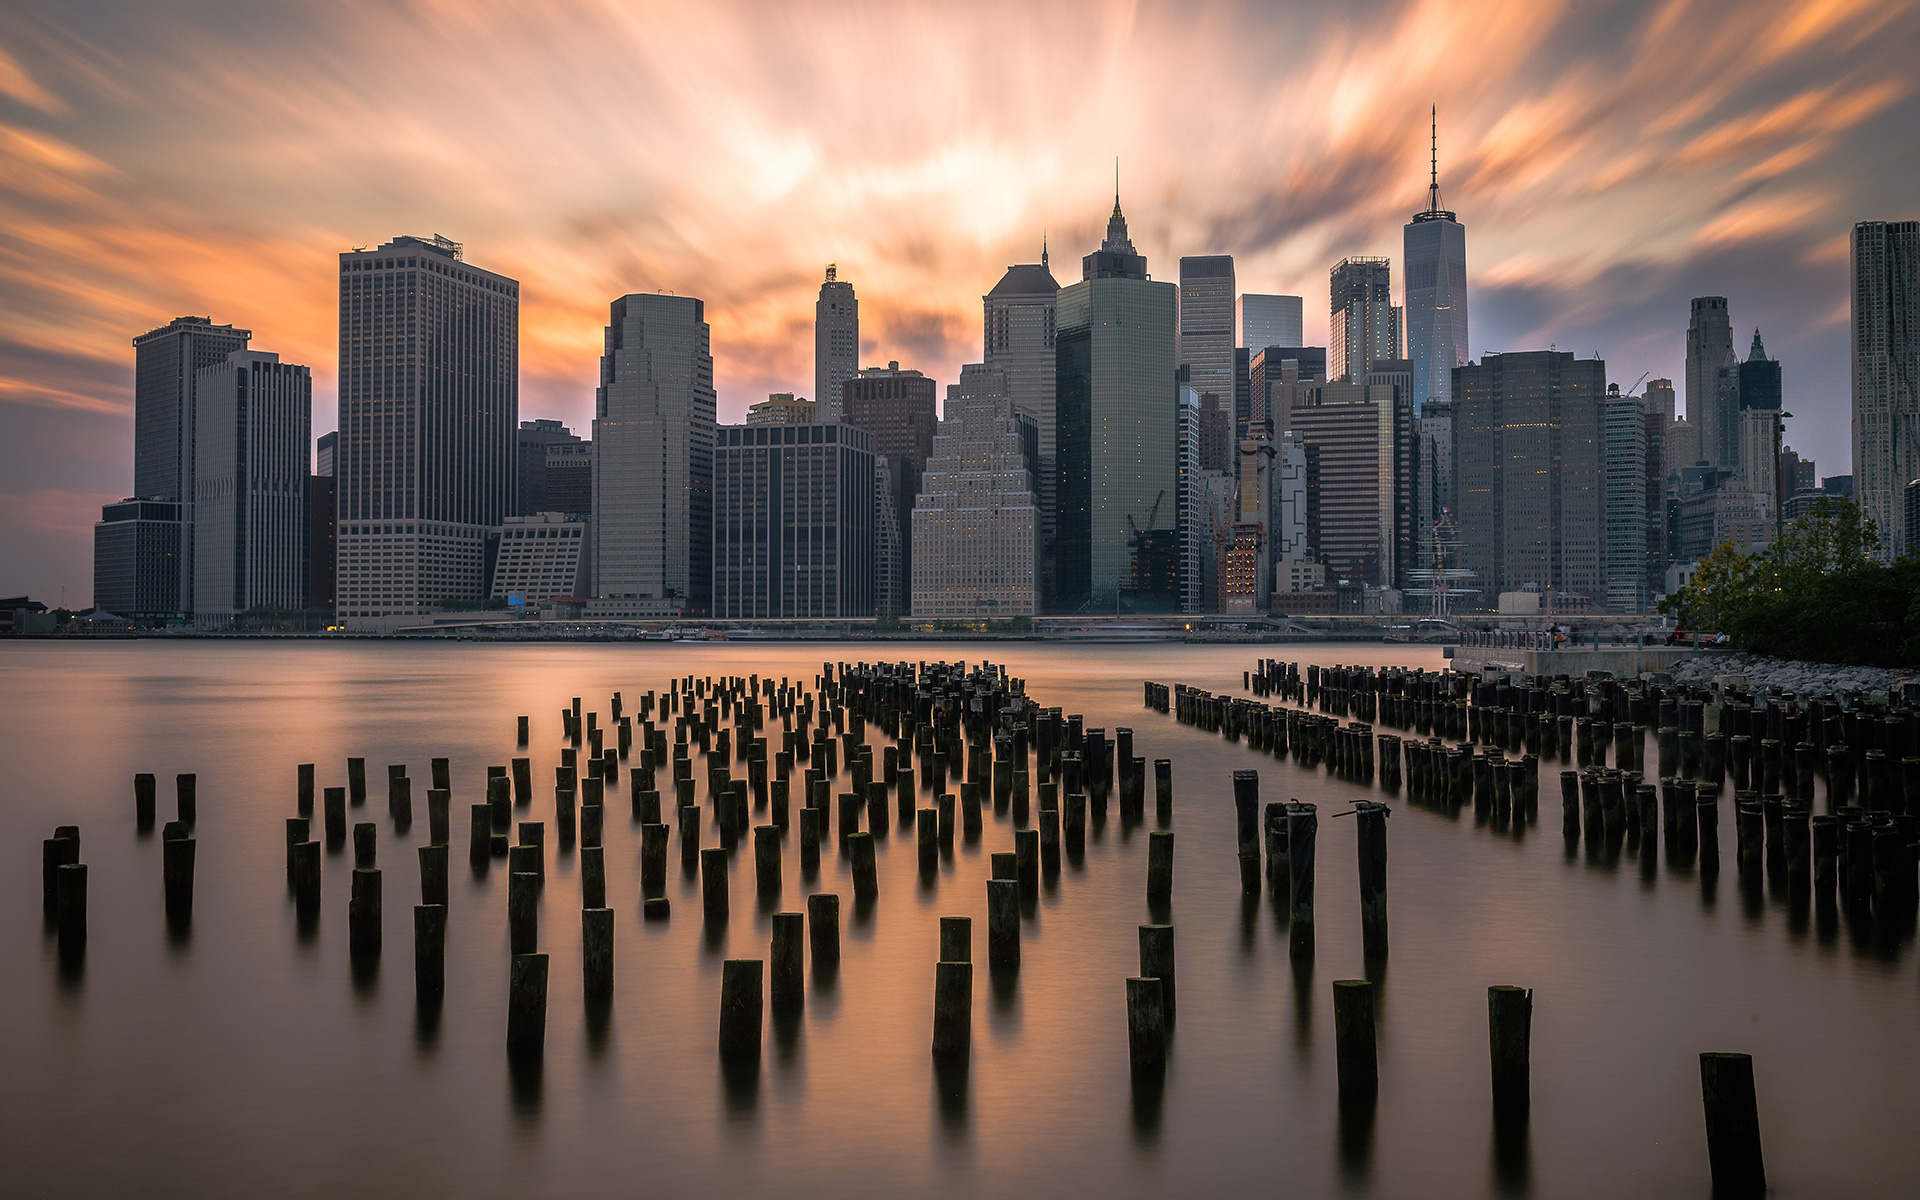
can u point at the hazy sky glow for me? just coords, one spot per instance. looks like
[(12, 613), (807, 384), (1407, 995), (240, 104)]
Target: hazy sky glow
[(1609, 161)]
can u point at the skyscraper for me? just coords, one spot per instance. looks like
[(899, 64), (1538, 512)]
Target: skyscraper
[(1713, 400), (1019, 322), (323, 544), (1436, 265), (793, 521), (1361, 436), (136, 560), (898, 407), (836, 342), (975, 533), (1623, 433), (1528, 471), (653, 432), (1115, 378), (429, 401), (1658, 399), (1886, 373), (1365, 322), (533, 443), (165, 362), (253, 423), (1206, 323), (1270, 321)]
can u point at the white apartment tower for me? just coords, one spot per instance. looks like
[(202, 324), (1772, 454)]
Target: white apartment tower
[(253, 422), (429, 410), (1019, 334), (975, 530)]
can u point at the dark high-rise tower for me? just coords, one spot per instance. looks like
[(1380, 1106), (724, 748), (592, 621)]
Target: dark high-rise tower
[(1364, 322), (1206, 323), (429, 401), (1436, 266), (836, 342), (1713, 385)]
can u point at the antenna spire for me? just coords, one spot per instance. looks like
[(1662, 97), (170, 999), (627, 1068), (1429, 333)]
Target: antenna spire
[(1043, 246), (1433, 186)]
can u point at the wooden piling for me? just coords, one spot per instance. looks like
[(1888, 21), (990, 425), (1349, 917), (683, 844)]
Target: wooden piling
[(952, 1009), (1733, 1125), (479, 834), (306, 879), (823, 929), (786, 983), (70, 905), (433, 875), (303, 782), (813, 830), (429, 952), (1159, 866), (713, 883), (1509, 1046), (740, 1009), (766, 859), (1026, 849), (356, 781), (527, 1007), (1246, 804), (596, 953), (1146, 1028), (363, 913), (143, 801), (523, 912), (866, 883), (366, 836), (1353, 1040), (1303, 824), (928, 840), (1156, 962)]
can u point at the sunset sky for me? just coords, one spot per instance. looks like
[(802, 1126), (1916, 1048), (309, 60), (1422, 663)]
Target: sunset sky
[(1609, 161)]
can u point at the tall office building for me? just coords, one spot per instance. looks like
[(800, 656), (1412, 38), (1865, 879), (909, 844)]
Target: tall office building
[(1658, 402), (165, 362), (975, 530), (429, 404), (899, 408), (253, 423), (1365, 322), (539, 557), (1760, 395), (1270, 321), (1529, 487), (1358, 437), (1274, 378), (1019, 322), (1623, 432), (1216, 434), (569, 478), (1886, 373), (1192, 534), (1436, 266), (1759, 378), (1117, 541), (782, 408), (322, 542), (793, 521), (532, 443), (653, 432), (1206, 323), (1713, 391), (836, 342)]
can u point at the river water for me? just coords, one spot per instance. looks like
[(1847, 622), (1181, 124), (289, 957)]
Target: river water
[(240, 1058)]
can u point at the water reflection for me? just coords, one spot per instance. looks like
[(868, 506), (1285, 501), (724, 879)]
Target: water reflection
[(951, 1076), (1512, 1152)]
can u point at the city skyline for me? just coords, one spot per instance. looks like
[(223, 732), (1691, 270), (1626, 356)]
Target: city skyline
[(1746, 188)]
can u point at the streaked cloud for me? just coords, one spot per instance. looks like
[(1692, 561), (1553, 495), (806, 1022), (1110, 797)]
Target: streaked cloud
[(1609, 160)]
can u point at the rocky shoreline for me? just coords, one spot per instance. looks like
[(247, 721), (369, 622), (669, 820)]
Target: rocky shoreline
[(1790, 675)]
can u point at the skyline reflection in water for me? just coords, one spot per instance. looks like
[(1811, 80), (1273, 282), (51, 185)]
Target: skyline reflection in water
[(243, 1056)]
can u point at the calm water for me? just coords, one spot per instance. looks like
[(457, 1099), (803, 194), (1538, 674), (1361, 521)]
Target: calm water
[(242, 1060)]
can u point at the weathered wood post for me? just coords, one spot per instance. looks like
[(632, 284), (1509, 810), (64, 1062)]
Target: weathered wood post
[(1303, 825), (433, 875), (70, 906), (527, 1007), (365, 845), (1146, 1029), (143, 802), (596, 951), (429, 953), (523, 912), (1371, 817), (740, 1009), (363, 914), (1509, 1042), (1159, 866), (439, 816), (1246, 803), (1353, 1038), (952, 1008), (1733, 1125), (823, 930), (357, 781), (1156, 962), (713, 884), (306, 880), (303, 776), (1026, 849), (786, 983)]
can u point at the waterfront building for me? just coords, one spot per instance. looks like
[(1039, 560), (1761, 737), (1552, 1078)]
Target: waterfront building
[(1191, 531), (1528, 472), (1117, 545), (1019, 323), (1623, 432), (166, 362), (793, 522), (569, 478), (836, 342), (900, 409), (1216, 434), (540, 556), (1358, 437), (325, 453), (136, 560), (322, 543), (1287, 517), (975, 527), (531, 444), (1206, 323), (1713, 391), (1365, 322), (1436, 265), (1716, 509), (1886, 373), (653, 438), (1267, 320), (429, 409), (1246, 576), (1275, 376), (253, 424), (891, 585), (1659, 403), (782, 408)]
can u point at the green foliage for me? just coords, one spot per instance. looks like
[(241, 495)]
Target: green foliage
[(886, 624), (1816, 593)]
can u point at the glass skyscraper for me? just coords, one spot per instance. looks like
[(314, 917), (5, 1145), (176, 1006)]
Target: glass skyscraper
[(1435, 261), (1117, 546)]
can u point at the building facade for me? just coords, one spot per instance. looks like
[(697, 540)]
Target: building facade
[(653, 439), (1713, 399), (322, 539), (1364, 321), (136, 560), (975, 527), (900, 409), (540, 557), (1019, 324), (782, 408), (793, 525), (1117, 545), (1658, 401), (429, 409), (1206, 323), (1360, 443), (1623, 432), (166, 362), (253, 424), (1267, 320), (532, 443), (1886, 373), (1529, 483), (836, 342)]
